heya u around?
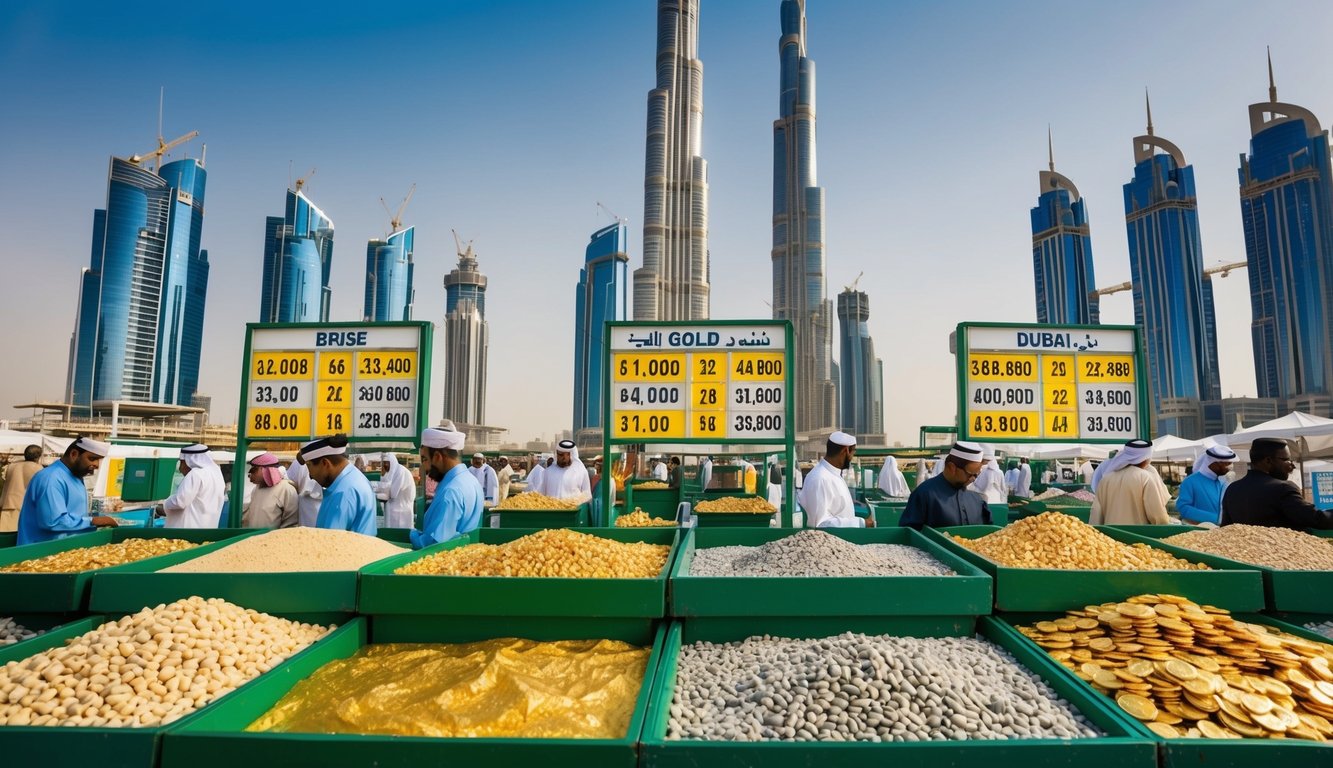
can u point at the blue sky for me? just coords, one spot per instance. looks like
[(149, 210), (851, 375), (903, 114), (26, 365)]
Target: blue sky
[(514, 118)]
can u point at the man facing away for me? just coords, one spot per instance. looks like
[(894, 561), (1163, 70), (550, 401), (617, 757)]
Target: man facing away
[(17, 476)]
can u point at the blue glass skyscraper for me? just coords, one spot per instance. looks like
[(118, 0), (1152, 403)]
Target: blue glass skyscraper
[(298, 254), (861, 374), (139, 326), (1172, 306), (601, 295), (466, 340), (389, 293), (1286, 202), (1062, 253)]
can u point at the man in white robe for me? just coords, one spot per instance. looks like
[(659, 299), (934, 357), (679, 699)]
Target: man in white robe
[(197, 502), (567, 479), (892, 481), (825, 497), (398, 491)]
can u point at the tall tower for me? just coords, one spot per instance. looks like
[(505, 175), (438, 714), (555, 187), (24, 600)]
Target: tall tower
[(673, 283), (799, 292), (601, 295), (466, 337), (1062, 251), (139, 325), (298, 254), (389, 292), (1172, 307), (861, 398), (1286, 203)]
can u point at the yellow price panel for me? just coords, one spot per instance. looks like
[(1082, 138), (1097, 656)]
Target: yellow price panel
[(335, 366), (1058, 368), (708, 366), (648, 424), (1005, 424), (386, 365), (758, 366), (278, 422), (982, 366), (282, 365), (708, 425), (708, 397), (332, 420), (1063, 426), (1106, 369), (333, 394), (669, 366), (1060, 395)]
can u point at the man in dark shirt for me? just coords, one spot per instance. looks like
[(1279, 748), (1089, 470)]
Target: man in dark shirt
[(944, 500), (673, 472), (1264, 497)]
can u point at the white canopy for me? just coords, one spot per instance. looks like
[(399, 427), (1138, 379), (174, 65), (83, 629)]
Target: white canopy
[(1177, 449), (1312, 436), (1073, 451)]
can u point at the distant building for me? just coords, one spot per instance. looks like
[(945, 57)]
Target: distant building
[(298, 254), (389, 292), (861, 398), (1286, 202), (1062, 253), (601, 295), (466, 338), (1232, 413), (139, 324)]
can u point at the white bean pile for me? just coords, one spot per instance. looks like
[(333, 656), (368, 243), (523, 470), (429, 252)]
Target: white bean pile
[(12, 632), (150, 668), (292, 549), (1280, 548), (816, 553), (855, 687), (1324, 628)]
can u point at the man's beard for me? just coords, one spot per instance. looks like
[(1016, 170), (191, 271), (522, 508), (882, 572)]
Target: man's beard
[(435, 474)]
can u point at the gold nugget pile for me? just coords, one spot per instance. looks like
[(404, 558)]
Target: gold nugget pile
[(1063, 542), (750, 504), (558, 552), (640, 519), (104, 556), (1192, 671), (573, 689), (651, 485), (531, 500)]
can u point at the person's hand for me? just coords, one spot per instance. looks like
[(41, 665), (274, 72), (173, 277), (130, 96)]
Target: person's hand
[(159, 511), (870, 521), (102, 521)]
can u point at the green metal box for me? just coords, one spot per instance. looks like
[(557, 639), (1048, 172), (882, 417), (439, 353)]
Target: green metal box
[(530, 519), (217, 738), (730, 519), (657, 502), (1042, 589), (1121, 748), (148, 479)]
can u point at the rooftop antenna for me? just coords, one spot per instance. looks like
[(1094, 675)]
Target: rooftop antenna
[(396, 219), (1050, 147), (612, 214), (1272, 86), (1148, 104)]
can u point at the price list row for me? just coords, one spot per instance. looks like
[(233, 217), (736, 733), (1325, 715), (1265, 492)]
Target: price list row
[(1052, 396)]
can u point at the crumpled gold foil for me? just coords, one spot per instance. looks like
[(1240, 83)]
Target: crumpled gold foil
[(580, 689)]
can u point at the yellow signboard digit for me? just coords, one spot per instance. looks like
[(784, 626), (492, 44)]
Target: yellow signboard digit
[(708, 397), (708, 367), (1106, 369), (282, 365), (1058, 368), (278, 422), (1061, 396), (708, 425), (330, 420), (1062, 425), (657, 367), (648, 424), (335, 366), (984, 366), (757, 366), (386, 365), (1014, 424)]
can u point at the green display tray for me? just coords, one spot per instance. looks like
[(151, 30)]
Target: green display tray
[(888, 513), (658, 502), (1205, 753), (1042, 589), (68, 592), (730, 519), (56, 746), (384, 592), (531, 519), (1296, 591), (1121, 748), (217, 738), (726, 599)]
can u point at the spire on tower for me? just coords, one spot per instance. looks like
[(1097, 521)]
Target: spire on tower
[(1050, 147), (1147, 103), (1272, 86)]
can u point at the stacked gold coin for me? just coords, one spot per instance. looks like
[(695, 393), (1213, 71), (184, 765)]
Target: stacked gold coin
[(1191, 671)]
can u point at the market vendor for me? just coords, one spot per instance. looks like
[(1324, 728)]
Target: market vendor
[(273, 503), (1265, 497), (197, 502), (486, 478), (1129, 491), (349, 502), (944, 500), (1200, 499), (398, 491), (457, 507), (567, 478), (825, 497), (55, 504), (534, 476), (891, 480)]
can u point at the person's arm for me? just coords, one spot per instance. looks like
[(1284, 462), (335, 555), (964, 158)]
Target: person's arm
[(184, 496), (1186, 505), (1155, 496), (1300, 513), (57, 509), (914, 514), (1095, 514)]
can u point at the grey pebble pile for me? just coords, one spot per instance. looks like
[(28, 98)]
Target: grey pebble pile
[(1324, 628), (855, 687), (12, 632), (816, 553)]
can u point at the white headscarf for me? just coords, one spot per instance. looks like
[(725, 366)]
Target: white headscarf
[(197, 457), (891, 479), (1134, 452), (1215, 453), (568, 446)]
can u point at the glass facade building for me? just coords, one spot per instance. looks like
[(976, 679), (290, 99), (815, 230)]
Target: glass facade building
[(673, 283), (1173, 303), (861, 374), (800, 293), (140, 319), (298, 254), (602, 295), (1062, 254), (466, 340), (389, 292), (1286, 201)]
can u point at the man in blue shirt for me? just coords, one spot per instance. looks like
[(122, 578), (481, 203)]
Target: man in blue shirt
[(458, 504), (1200, 499), (349, 502), (56, 502)]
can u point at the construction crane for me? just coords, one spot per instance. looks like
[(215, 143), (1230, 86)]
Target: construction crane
[(458, 246), (612, 214), (301, 181), (162, 148), (1221, 270), (396, 219), (852, 287)]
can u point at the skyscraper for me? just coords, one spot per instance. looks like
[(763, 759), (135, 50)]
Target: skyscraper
[(673, 283), (799, 292), (1062, 252), (389, 293), (298, 254), (861, 398), (1286, 202), (466, 337), (139, 326), (1172, 307), (601, 295)]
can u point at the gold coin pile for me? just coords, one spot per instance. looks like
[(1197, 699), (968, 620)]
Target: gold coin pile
[(1063, 542), (531, 500), (1192, 671), (749, 504), (640, 519), (558, 552), (104, 556), (651, 485)]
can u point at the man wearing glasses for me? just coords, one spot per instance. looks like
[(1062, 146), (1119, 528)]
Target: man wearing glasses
[(1264, 497), (944, 500)]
